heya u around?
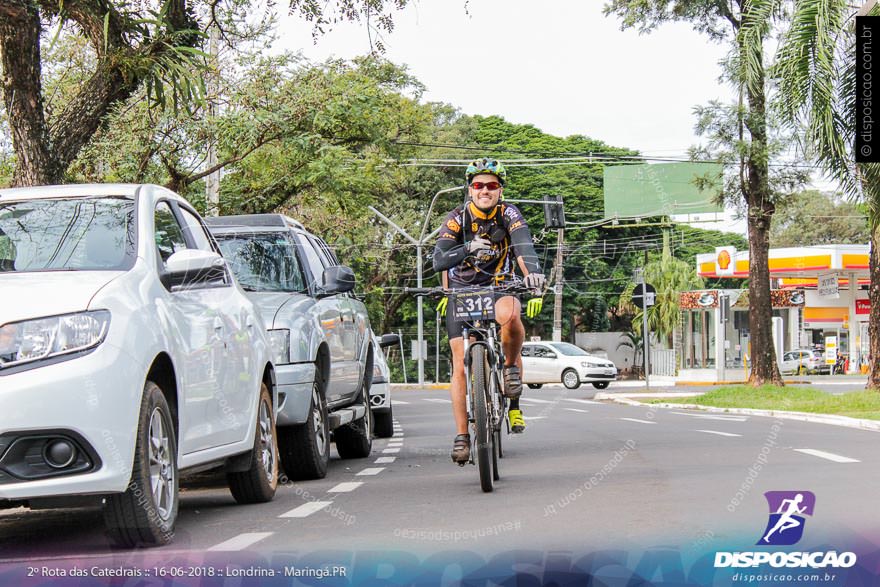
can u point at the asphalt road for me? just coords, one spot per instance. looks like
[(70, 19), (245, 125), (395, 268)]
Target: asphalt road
[(584, 476)]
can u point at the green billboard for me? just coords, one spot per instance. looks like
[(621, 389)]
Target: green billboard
[(661, 189)]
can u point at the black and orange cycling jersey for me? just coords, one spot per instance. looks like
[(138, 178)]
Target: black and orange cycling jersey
[(504, 226)]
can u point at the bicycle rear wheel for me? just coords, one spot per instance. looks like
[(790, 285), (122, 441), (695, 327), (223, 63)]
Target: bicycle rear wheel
[(484, 431)]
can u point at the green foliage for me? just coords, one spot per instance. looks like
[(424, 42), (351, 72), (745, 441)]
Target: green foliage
[(712, 17), (726, 126), (814, 218)]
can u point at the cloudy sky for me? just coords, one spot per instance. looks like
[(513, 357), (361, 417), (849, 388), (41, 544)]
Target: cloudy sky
[(566, 68)]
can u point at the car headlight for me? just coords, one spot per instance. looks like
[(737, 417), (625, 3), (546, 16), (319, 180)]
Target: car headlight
[(279, 345), (590, 364), (31, 341)]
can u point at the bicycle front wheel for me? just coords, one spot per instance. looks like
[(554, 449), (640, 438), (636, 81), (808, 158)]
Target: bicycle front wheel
[(484, 432)]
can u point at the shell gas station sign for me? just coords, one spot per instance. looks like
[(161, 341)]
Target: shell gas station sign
[(724, 261)]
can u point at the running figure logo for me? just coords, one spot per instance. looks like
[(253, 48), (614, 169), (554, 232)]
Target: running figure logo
[(787, 509)]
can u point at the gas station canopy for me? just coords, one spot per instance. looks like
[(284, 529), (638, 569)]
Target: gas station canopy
[(799, 267)]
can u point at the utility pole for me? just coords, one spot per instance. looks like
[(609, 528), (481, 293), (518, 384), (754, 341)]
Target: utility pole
[(212, 181), (647, 339), (557, 298)]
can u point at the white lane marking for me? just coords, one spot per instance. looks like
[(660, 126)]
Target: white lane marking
[(391, 450), (384, 460), (395, 441), (577, 410), (537, 401), (398, 402), (718, 433), (370, 471), (637, 420), (345, 487), (398, 435), (437, 400), (241, 541), (534, 417), (580, 401), (306, 509), (711, 417), (827, 455)]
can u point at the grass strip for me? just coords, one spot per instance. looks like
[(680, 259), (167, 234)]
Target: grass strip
[(857, 404)]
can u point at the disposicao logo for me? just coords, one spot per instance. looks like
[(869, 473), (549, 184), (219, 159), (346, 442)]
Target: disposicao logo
[(784, 528), (787, 510)]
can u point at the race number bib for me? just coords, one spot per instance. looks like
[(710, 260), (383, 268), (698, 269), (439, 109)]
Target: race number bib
[(473, 306)]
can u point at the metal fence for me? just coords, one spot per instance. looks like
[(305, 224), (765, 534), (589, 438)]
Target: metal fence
[(663, 362)]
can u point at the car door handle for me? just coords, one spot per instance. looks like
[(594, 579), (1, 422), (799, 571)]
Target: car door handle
[(249, 322), (218, 325)]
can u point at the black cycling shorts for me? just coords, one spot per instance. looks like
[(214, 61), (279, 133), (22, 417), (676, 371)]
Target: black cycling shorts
[(453, 328)]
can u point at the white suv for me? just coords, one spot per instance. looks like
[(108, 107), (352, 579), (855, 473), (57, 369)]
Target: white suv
[(127, 354)]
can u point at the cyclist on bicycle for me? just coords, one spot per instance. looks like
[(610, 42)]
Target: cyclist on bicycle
[(480, 244)]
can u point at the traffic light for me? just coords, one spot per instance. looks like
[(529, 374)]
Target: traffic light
[(554, 214)]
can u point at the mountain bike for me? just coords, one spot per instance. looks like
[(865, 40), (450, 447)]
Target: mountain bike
[(483, 363)]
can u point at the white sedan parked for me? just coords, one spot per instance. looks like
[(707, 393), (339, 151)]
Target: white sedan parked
[(127, 354), (555, 362)]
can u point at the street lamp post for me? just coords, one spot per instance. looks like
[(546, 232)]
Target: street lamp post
[(423, 238)]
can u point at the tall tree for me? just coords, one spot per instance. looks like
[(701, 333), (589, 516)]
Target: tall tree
[(816, 72), (816, 218), (723, 19), (133, 44)]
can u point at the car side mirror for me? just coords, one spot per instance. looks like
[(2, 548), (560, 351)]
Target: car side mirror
[(389, 340), (192, 266), (551, 355), (337, 279)]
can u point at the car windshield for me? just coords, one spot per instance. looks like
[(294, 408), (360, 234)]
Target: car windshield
[(263, 262), (568, 349), (77, 234)]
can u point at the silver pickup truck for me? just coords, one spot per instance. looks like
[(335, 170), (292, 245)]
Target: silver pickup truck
[(322, 344)]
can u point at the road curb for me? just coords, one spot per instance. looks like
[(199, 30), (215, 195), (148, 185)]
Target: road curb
[(417, 387), (731, 382), (845, 421)]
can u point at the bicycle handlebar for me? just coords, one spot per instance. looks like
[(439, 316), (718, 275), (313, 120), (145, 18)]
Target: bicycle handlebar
[(516, 288)]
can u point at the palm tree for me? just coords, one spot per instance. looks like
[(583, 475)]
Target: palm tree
[(816, 75), (670, 277), (634, 343)]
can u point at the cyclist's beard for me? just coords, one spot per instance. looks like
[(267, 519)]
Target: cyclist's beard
[(484, 210)]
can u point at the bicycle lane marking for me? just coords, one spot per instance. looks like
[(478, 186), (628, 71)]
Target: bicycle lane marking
[(240, 542), (718, 433), (638, 421), (829, 456)]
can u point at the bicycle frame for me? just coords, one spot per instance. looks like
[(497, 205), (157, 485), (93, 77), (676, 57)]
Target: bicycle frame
[(494, 355)]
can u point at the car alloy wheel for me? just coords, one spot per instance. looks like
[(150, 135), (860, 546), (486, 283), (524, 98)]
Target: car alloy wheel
[(570, 379), (161, 466), (319, 426), (268, 447)]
